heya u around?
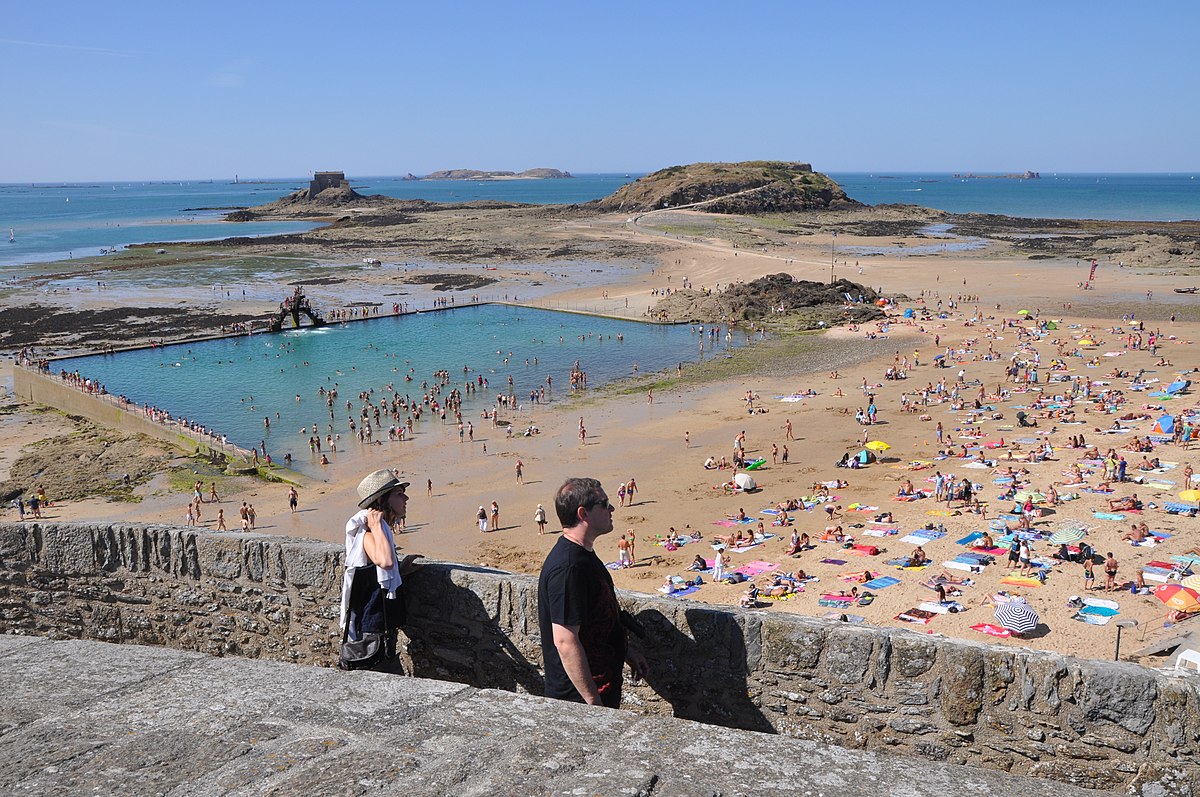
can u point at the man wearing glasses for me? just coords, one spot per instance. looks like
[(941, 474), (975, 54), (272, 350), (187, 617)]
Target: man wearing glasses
[(584, 648)]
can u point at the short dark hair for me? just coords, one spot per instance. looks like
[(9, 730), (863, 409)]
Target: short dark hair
[(574, 493)]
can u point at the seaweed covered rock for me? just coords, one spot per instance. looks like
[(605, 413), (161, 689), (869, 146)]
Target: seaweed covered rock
[(774, 296)]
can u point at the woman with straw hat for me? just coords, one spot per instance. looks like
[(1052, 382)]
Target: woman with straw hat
[(371, 599)]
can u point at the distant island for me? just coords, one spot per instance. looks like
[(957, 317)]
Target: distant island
[(1021, 176), (477, 174)]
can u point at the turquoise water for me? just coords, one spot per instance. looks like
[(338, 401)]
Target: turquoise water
[(230, 385), (76, 220)]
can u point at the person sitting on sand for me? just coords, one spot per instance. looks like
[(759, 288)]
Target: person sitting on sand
[(906, 489), (698, 564), (1164, 361), (710, 463), (986, 541), (884, 517), (1129, 502), (740, 516), (865, 577), (1135, 534), (918, 558)]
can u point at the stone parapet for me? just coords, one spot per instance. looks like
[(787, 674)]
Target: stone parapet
[(1098, 724)]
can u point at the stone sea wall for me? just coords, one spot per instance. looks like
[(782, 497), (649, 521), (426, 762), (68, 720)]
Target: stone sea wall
[(1098, 724)]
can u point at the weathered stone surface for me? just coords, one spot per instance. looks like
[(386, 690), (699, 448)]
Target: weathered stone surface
[(257, 596), (252, 727)]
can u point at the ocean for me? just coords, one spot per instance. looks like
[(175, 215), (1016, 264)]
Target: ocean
[(53, 222)]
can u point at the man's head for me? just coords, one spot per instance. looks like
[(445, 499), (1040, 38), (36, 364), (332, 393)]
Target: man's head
[(583, 501)]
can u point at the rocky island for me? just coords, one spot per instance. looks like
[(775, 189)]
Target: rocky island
[(477, 174)]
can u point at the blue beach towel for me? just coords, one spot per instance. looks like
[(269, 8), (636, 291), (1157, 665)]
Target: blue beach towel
[(883, 582)]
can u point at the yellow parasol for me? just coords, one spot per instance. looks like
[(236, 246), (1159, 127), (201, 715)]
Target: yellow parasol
[(877, 445)]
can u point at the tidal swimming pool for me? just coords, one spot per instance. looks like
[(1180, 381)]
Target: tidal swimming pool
[(232, 384)]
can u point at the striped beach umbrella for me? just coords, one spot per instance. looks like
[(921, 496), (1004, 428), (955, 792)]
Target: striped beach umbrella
[(1032, 495), (1192, 582), (1067, 536), (1018, 617)]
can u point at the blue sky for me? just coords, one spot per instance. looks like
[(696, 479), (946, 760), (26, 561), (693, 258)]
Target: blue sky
[(126, 90)]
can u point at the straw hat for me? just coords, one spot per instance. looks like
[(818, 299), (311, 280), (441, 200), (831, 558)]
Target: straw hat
[(376, 484)]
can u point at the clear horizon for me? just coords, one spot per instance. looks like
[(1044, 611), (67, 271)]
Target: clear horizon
[(358, 177), (146, 92)]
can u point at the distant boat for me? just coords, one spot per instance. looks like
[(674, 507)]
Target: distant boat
[(1192, 289)]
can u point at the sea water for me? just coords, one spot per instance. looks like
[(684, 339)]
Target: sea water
[(1122, 197), (78, 220), (52, 222), (231, 385)]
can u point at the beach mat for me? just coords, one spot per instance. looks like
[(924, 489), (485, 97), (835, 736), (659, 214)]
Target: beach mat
[(991, 630), (833, 561), (1021, 581), (883, 582), (752, 569), (915, 615)]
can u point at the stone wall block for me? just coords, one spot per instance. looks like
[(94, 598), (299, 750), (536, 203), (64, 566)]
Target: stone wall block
[(254, 561), (961, 696), (795, 645), (219, 557), (1123, 694), (68, 549), (848, 654), (913, 656), (305, 565), (18, 547)]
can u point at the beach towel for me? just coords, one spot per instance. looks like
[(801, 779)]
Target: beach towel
[(990, 551), (833, 561), (679, 593), (941, 512), (752, 569), (970, 538), (879, 532), (882, 582), (1091, 619), (1108, 516), (954, 564), (1021, 581), (915, 615), (855, 575), (941, 608), (613, 565), (834, 602), (846, 618), (991, 630), (1101, 611), (905, 498)]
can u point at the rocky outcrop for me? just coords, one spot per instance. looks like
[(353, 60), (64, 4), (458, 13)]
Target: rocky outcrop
[(738, 188), (774, 296)]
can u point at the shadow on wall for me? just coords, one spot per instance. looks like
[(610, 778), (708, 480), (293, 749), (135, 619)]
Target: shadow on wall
[(467, 635), (704, 676)]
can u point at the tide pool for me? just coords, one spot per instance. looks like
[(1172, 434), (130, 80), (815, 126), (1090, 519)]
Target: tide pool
[(231, 385)]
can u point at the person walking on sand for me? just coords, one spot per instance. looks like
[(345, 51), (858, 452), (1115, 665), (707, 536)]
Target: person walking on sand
[(539, 517), (1110, 572), (495, 518), (191, 515), (624, 558), (787, 430), (520, 468), (293, 498), (630, 488), (221, 520), (212, 493), (481, 518), (251, 516)]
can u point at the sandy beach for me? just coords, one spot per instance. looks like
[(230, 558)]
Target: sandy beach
[(663, 444)]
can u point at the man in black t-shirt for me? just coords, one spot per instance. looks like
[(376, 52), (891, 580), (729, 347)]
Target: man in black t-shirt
[(583, 642)]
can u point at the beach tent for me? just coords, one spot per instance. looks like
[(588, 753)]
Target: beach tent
[(865, 456), (1051, 325), (1164, 425), (745, 481)]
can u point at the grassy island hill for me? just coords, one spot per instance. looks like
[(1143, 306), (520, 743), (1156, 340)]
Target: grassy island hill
[(739, 188)]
